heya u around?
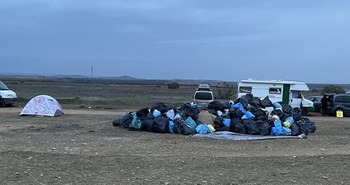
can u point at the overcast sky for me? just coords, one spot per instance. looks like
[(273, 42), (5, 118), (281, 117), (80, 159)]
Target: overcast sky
[(229, 40)]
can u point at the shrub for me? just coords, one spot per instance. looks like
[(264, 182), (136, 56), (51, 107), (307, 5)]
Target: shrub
[(173, 85), (226, 91), (333, 89)]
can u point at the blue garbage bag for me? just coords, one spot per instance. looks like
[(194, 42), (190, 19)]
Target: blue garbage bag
[(290, 120), (277, 129), (286, 131), (190, 122), (171, 114), (240, 107), (277, 105), (227, 122), (248, 115), (171, 127), (203, 129), (156, 113)]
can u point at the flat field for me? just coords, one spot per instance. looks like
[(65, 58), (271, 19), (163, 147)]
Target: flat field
[(82, 147)]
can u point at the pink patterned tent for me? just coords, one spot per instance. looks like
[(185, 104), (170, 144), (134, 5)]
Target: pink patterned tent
[(42, 105)]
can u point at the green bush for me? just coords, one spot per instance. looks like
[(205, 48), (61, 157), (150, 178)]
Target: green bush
[(333, 89), (173, 85), (226, 91)]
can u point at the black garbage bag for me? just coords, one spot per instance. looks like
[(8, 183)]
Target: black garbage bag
[(219, 124), (296, 113), (235, 113), (284, 117), (244, 101), (256, 102), (312, 126), (190, 111), (237, 126), (303, 126), (277, 112), (249, 97), (252, 127), (180, 127), (213, 111), (253, 109), (181, 113), (160, 106), (226, 104), (125, 121), (266, 102), (161, 124), (147, 123), (142, 113), (264, 128), (295, 129), (216, 105), (261, 115), (287, 110)]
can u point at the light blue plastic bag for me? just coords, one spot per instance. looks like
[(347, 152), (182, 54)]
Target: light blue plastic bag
[(156, 113), (248, 115), (190, 122), (227, 122), (203, 129), (171, 127), (290, 120), (277, 129)]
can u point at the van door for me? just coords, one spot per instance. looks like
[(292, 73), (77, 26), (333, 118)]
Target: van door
[(295, 99)]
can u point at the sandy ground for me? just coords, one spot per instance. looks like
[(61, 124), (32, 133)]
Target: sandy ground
[(82, 147)]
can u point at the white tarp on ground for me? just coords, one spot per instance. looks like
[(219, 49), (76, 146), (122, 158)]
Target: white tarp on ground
[(42, 105), (241, 137)]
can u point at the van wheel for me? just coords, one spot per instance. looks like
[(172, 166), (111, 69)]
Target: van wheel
[(2, 103), (304, 111)]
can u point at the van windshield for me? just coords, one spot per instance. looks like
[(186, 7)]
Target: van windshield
[(203, 96), (3, 86)]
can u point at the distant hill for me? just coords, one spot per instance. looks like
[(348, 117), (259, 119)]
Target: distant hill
[(133, 80), (125, 77)]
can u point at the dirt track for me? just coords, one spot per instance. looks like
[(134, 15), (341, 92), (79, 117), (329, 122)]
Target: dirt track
[(82, 147)]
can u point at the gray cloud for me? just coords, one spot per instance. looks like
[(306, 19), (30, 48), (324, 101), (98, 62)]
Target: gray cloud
[(224, 40)]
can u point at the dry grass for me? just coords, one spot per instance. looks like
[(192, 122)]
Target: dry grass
[(101, 95)]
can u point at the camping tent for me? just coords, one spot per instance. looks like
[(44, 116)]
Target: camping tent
[(42, 105)]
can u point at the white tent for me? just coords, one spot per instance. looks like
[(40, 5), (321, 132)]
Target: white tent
[(42, 105)]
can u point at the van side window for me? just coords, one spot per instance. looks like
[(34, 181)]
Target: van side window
[(296, 94), (274, 90), (347, 99), (342, 99), (245, 89), (339, 99)]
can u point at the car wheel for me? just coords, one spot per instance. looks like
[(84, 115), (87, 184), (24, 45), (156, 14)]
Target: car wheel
[(2, 103), (304, 111)]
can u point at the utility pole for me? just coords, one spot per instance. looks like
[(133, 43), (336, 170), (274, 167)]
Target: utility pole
[(92, 71)]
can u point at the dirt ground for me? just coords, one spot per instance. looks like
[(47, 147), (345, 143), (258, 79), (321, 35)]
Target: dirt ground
[(82, 147)]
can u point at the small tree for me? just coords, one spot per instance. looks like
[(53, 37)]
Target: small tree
[(173, 85), (333, 89)]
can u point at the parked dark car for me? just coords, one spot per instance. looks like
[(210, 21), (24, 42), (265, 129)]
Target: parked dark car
[(317, 103), (339, 102)]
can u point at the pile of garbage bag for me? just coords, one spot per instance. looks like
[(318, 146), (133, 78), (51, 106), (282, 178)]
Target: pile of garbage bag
[(246, 115)]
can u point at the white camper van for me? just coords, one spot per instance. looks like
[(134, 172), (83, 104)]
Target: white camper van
[(7, 97), (287, 92)]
